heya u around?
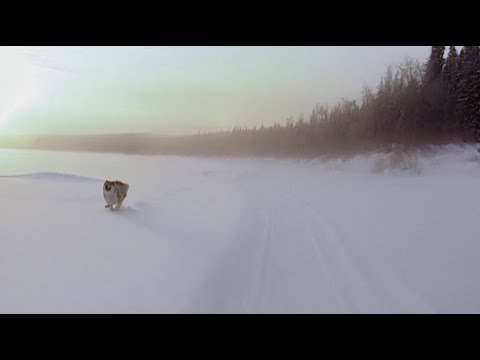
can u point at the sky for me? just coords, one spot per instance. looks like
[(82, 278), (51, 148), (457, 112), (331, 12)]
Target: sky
[(179, 90)]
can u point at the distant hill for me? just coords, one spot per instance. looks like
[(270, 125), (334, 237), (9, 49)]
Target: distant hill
[(123, 143)]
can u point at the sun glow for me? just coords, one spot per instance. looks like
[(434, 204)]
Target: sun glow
[(17, 82)]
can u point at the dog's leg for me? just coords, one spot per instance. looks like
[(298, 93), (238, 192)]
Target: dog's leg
[(118, 205)]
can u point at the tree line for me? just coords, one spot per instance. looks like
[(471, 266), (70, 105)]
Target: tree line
[(415, 104)]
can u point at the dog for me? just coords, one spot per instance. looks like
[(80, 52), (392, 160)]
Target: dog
[(114, 192)]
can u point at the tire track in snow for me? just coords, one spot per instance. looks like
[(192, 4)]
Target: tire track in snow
[(259, 288), (313, 274), (388, 292), (326, 274)]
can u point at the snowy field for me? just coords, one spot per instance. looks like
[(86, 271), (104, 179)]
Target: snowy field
[(370, 234)]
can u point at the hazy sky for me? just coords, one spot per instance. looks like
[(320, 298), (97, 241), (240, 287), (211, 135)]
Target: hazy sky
[(179, 90)]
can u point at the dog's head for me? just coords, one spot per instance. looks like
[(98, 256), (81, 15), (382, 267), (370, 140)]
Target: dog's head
[(108, 185)]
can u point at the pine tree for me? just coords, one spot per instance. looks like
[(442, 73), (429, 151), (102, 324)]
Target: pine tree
[(433, 93), (474, 95), (459, 99), (450, 80), (468, 101), (434, 64)]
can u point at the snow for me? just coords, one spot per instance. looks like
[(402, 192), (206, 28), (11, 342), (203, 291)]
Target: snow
[(220, 235)]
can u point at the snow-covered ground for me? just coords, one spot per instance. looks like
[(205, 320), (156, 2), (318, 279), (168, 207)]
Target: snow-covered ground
[(371, 234)]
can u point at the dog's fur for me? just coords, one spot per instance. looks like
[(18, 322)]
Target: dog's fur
[(114, 192)]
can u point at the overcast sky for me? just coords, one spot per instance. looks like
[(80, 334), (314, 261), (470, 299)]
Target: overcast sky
[(179, 90)]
